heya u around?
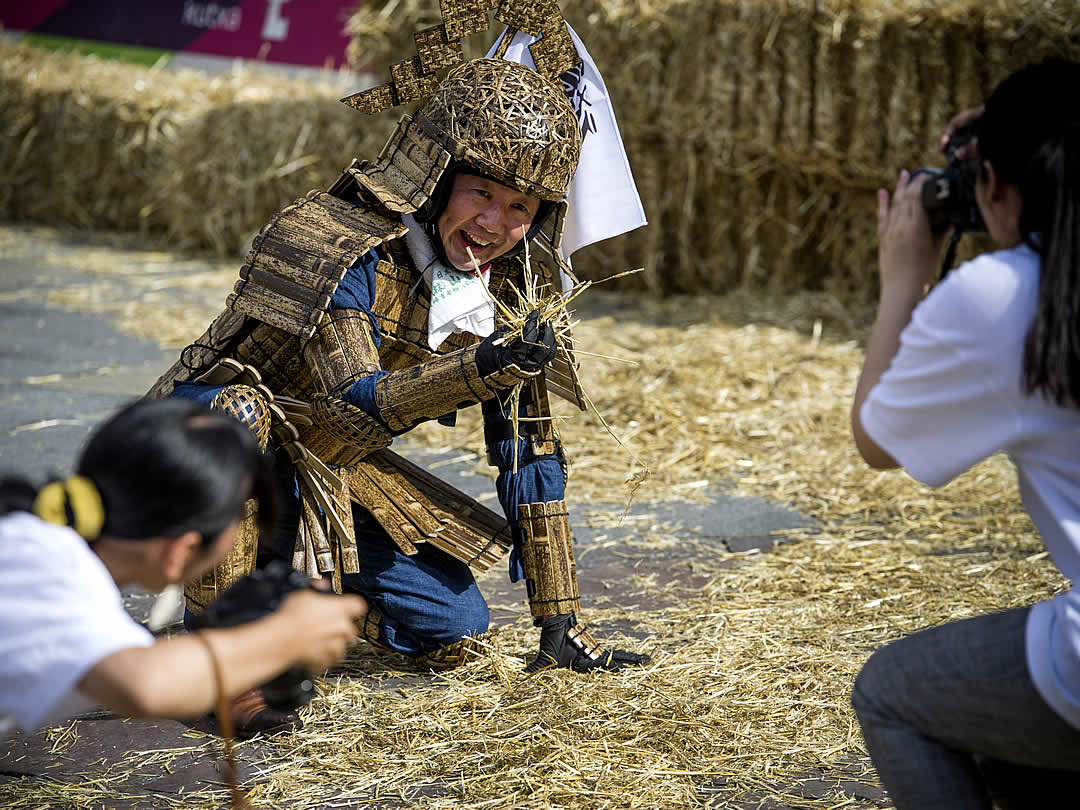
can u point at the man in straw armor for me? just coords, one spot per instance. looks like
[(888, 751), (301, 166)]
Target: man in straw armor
[(367, 309)]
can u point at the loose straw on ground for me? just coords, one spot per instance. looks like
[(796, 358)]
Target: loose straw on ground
[(753, 654)]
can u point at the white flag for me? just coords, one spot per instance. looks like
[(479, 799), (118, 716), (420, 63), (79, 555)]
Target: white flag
[(603, 200)]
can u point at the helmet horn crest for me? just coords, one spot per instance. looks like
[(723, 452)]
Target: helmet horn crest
[(439, 47)]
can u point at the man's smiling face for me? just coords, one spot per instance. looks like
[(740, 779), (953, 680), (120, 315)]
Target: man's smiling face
[(485, 217)]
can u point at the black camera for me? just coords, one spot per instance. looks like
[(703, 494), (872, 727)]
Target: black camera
[(949, 196), (252, 597)]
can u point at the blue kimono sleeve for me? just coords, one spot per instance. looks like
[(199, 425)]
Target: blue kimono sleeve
[(357, 291), (197, 392)]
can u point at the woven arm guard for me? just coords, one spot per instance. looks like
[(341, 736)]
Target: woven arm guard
[(438, 387), (349, 424), (342, 351)]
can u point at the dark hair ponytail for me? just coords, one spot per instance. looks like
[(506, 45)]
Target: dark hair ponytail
[(165, 467), (1030, 133), (1052, 349), (16, 495)]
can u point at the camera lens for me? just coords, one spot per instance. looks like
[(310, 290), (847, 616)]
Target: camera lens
[(291, 689)]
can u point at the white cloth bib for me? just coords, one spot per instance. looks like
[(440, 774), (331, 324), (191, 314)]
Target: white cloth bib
[(460, 301)]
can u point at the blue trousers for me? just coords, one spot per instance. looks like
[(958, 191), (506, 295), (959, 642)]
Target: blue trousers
[(427, 600), (952, 721)]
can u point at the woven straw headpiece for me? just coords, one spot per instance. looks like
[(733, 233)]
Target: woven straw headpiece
[(505, 120), (439, 47), (497, 116)]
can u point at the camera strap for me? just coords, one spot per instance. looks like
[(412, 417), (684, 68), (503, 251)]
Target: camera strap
[(950, 253), (224, 718)]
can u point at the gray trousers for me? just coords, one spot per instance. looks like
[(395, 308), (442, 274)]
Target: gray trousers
[(952, 721)]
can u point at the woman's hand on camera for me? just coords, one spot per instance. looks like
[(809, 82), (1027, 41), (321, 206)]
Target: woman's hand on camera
[(957, 121), (324, 625), (907, 250), (176, 677)]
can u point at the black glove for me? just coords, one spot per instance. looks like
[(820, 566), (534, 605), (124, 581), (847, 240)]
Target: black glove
[(530, 352), (556, 650)]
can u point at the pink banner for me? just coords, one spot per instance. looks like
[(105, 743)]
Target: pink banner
[(296, 32)]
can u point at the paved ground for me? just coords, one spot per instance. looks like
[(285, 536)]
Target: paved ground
[(61, 372)]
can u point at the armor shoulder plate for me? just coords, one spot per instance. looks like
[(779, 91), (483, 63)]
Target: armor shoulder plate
[(299, 258)]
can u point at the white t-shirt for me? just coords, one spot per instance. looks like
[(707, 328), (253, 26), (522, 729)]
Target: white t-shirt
[(954, 395), (60, 613)]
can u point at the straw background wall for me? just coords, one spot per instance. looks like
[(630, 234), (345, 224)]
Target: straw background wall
[(758, 129), (199, 161)]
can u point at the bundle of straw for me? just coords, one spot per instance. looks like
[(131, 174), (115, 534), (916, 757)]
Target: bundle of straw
[(552, 308)]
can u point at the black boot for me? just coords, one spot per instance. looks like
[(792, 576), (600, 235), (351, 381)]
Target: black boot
[(565, 643)]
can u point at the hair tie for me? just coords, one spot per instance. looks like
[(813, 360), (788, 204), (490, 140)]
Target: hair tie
[(77, 493)]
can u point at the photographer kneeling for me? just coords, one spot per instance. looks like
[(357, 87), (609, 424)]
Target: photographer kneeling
[(986, 708), (157, 498)]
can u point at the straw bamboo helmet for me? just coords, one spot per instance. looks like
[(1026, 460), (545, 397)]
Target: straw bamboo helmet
[(495, 116)]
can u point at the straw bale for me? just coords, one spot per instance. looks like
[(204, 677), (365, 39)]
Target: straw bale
[(759, 130), (78, 146), (198, 161), (238, 162)]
